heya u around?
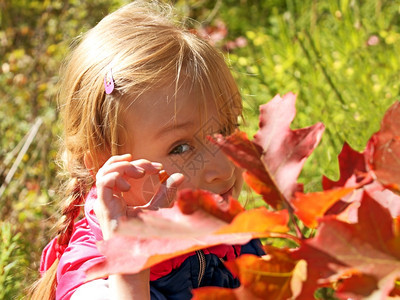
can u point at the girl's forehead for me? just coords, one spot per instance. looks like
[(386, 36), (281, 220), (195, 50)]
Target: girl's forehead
[(170, 101), (170, 105)]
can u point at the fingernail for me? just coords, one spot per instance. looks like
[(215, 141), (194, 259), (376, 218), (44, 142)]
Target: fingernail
[(156, 165), (140, 170)]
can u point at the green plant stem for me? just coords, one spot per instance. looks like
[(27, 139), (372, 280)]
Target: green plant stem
[(323, 69), (21, 154)]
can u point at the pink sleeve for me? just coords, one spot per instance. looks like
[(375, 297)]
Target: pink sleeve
[(80, 254), (48, 256)]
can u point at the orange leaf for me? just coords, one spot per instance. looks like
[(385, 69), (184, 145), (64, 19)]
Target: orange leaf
[(258, 220), (214, 293), (155, 236), (310, 207), (269, 277), (191, 200)]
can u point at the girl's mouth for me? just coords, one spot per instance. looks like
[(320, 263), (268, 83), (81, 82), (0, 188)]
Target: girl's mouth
[(226, 194)]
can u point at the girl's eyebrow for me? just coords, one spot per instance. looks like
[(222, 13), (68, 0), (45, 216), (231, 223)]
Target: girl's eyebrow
[(173, 126)]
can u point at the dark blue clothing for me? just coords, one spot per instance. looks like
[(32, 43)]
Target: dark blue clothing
[(197, 271)]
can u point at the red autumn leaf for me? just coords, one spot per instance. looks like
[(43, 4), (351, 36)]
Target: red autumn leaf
[(258, 220), (396, 290), (369, 247), (385, 197), (320, 265), (155, 236), (271, 277), (353, 172), (351, 203), (351, 163), (191, 200), (312, 206), (218, 293), (247, 155), (357, 287), (383, 150), (215, 293), (285, 150), (273, 273), (274, 159)]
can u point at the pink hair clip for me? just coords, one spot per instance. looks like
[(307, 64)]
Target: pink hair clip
[(109, 82)]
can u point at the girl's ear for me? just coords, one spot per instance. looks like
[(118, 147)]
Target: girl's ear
[(93, 163), (89, 164)]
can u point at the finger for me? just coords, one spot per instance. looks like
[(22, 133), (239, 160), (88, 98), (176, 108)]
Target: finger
[(117, 158), (124, 168), (175, 180), (135, 169), (166, 193), (111, 183), (149, 167)]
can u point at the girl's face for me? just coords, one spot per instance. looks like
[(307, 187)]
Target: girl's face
[(172, 130)]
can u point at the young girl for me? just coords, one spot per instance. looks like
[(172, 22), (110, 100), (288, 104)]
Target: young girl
[(139, 95)]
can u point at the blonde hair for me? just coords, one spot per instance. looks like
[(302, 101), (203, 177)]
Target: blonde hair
[(145, 49)]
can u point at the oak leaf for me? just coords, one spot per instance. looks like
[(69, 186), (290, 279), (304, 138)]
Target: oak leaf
[(272, 277), (247, 155), (356, 286), (354, 173), (155, 236), (352, 165), (191, 200), (274, 159), (369, 247), (383, 150), (312, 206), (285, 150)]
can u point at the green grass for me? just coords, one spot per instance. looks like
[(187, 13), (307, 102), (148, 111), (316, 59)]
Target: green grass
[(12, 261), (339, 57), (322, 51)]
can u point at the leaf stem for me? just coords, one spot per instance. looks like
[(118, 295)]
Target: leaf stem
[(299, 233), (294, 238)]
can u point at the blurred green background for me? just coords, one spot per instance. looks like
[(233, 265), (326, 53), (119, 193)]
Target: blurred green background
[(340, 57)]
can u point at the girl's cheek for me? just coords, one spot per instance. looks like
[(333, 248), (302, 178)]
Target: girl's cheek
[(239, 181)]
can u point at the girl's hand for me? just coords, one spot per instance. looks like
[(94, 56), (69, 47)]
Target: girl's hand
[(112, 181)]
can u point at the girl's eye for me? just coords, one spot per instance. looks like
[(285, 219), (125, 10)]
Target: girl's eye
[(180, 149)]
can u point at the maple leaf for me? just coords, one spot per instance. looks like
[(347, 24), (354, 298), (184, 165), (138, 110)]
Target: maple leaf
[(217, 293), (273, 276), (383, 150), (312, 206), (285, 150), (191, 200), (247, 155), (354, 173), (352, 165), (320, 265), (396, 290), (369, 247), (357, 286), (346, 209), (155, 236), (274, 159)]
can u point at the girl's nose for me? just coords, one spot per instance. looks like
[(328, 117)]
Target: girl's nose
[(218, 168)]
